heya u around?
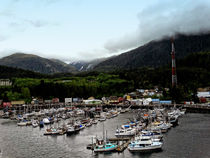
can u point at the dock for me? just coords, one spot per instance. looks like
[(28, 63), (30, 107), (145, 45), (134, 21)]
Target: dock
[(124, 142), (123, 146)]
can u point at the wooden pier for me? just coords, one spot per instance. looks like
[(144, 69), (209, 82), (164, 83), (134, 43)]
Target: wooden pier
[(124, 142), (123, 146)]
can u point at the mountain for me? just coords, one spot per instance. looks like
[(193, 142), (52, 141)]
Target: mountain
[(36, 63), (10, 72), (88, 65), (157, 53)]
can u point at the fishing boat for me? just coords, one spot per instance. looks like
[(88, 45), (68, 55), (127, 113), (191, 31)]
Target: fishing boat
[(144, 144), (105, 147)]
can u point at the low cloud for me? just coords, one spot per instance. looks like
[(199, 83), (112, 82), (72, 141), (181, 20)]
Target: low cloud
[(165, 18)]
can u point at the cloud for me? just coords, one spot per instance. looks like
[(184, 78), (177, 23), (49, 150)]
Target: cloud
[(38, 23), (165, 18), (3, 38)]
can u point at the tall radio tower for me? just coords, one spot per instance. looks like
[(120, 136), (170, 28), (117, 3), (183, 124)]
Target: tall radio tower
[(174, 77)]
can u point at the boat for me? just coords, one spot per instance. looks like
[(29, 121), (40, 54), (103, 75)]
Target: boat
[(153, 134), (35, 123), (102, 146), (174, 120), (125, 132), (123, 111), (22, 123), (51, 131), (41, 124), (144, 144), (102, 119), (95, 121), (73, 129), (89, 124), (81, 126), (46, 121)]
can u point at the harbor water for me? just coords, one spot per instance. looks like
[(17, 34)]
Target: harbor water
[(190, 139)]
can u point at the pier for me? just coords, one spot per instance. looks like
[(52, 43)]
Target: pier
[(20, 109)]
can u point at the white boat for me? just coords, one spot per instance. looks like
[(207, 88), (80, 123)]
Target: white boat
[(22, 123), (153, 134), (46, 121), (143, 144), (102, 119), (95, 121), (123, 111), (125, 132), (89, 124), (35, 123)]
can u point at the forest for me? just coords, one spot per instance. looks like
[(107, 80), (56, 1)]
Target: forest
[(193, 72)]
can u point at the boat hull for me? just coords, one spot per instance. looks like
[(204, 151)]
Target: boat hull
[(145, 149), (105, 150)]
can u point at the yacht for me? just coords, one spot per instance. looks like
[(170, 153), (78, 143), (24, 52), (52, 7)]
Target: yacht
[(143, 144), (125, 132)]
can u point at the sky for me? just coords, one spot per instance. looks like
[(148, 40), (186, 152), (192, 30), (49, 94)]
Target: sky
[(72, 30)]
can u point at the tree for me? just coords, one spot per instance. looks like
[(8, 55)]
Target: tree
[(26, 94)]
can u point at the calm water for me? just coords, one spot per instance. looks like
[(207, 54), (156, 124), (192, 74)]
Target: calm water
[(191, 139)]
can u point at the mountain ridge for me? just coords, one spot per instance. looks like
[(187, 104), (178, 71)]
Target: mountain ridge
[(35, 63), (157, 53)]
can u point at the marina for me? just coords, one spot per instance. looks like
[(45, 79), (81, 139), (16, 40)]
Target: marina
[(75, 145)]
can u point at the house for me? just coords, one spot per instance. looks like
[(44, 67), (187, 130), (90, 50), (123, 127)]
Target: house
[(92, 101), (204, 96), (5, 82), (113, 100), (136, 102), (147, 101)]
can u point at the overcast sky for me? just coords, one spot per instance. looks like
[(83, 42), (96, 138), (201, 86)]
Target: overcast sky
[(87, 29)]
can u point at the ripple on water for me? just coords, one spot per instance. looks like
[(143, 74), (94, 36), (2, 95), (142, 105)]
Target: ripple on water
[(189, 139)]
